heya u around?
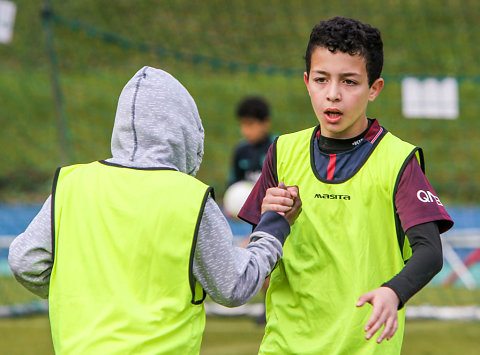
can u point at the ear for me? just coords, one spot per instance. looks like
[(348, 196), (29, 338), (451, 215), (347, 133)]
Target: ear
[(305, 78), (375, 89)]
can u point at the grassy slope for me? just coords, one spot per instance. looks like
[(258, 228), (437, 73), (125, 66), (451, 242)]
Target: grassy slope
[(420, 38)]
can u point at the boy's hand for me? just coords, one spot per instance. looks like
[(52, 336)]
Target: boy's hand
[(385, 306), (284, 200)]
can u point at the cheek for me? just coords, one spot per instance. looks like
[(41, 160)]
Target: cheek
[(317, 109), (357, 100), (316, 99), (245, 131), (311, 91)]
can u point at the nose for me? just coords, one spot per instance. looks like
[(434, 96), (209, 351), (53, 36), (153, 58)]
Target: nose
[(333, 93)]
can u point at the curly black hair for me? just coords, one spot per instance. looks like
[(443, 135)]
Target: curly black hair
[(348, 36), (253, 107)]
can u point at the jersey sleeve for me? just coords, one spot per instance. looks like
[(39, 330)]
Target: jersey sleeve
[(417, 202), (251, 210)]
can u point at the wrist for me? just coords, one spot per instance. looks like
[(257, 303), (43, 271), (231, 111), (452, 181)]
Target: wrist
[(275, 224), (395, 293)]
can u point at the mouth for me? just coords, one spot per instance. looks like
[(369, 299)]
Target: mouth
[(332, 115)]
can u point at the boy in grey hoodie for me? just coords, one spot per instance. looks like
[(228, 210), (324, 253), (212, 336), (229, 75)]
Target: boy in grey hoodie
[(157, 127)]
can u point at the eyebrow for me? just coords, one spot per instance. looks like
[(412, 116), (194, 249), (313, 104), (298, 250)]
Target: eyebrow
[(343, 75)]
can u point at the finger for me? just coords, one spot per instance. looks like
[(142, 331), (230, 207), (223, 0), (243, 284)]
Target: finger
[(279, 200), (376, 326), (366, 297), (293, 190), (376, 314), (276, 207), (394, 329), (276, 191), (297, 206), (276, 195), (386, 330)]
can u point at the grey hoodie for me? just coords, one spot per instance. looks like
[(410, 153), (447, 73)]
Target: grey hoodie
[(157, 125)]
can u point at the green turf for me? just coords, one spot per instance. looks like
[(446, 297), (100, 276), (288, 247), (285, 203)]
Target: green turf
[(441, 338), (233, 336), (452, 296), (12, 292), (25, 336), (241, 336)]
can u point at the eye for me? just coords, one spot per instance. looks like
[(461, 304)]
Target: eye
[(320, 80), (350, 82)]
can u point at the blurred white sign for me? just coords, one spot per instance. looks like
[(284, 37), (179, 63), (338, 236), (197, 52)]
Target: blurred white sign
[(430, 98), (8, 10)]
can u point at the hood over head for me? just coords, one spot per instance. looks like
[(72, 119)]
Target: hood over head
[(157, 124)]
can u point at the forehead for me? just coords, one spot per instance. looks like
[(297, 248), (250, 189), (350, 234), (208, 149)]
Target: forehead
[(338, 62), (247, 120)]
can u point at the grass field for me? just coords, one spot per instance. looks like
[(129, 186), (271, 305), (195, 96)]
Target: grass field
[(241, 336)]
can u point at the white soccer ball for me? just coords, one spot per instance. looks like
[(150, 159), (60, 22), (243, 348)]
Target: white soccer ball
[(235, 196)]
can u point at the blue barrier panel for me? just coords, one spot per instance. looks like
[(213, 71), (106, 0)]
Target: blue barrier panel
[(14, 219)]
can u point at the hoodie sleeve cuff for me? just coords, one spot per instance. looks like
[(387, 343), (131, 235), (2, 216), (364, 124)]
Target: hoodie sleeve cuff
[(274, 224)]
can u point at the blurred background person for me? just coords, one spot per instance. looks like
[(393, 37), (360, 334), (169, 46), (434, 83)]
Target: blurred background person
[(253, 113)]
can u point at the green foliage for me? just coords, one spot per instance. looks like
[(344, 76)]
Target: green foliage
[(221, 51)]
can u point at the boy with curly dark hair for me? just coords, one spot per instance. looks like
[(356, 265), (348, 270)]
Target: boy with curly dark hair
[(369, 230)]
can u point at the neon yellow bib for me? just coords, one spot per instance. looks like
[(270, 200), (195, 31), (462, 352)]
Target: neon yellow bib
[(122, 279), (343, 244)]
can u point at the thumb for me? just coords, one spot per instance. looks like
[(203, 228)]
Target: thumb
[(364, 299), (281, 185)]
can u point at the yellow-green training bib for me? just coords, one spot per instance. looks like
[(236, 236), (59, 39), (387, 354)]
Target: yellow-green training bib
[(122, 280), (343, 244)]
